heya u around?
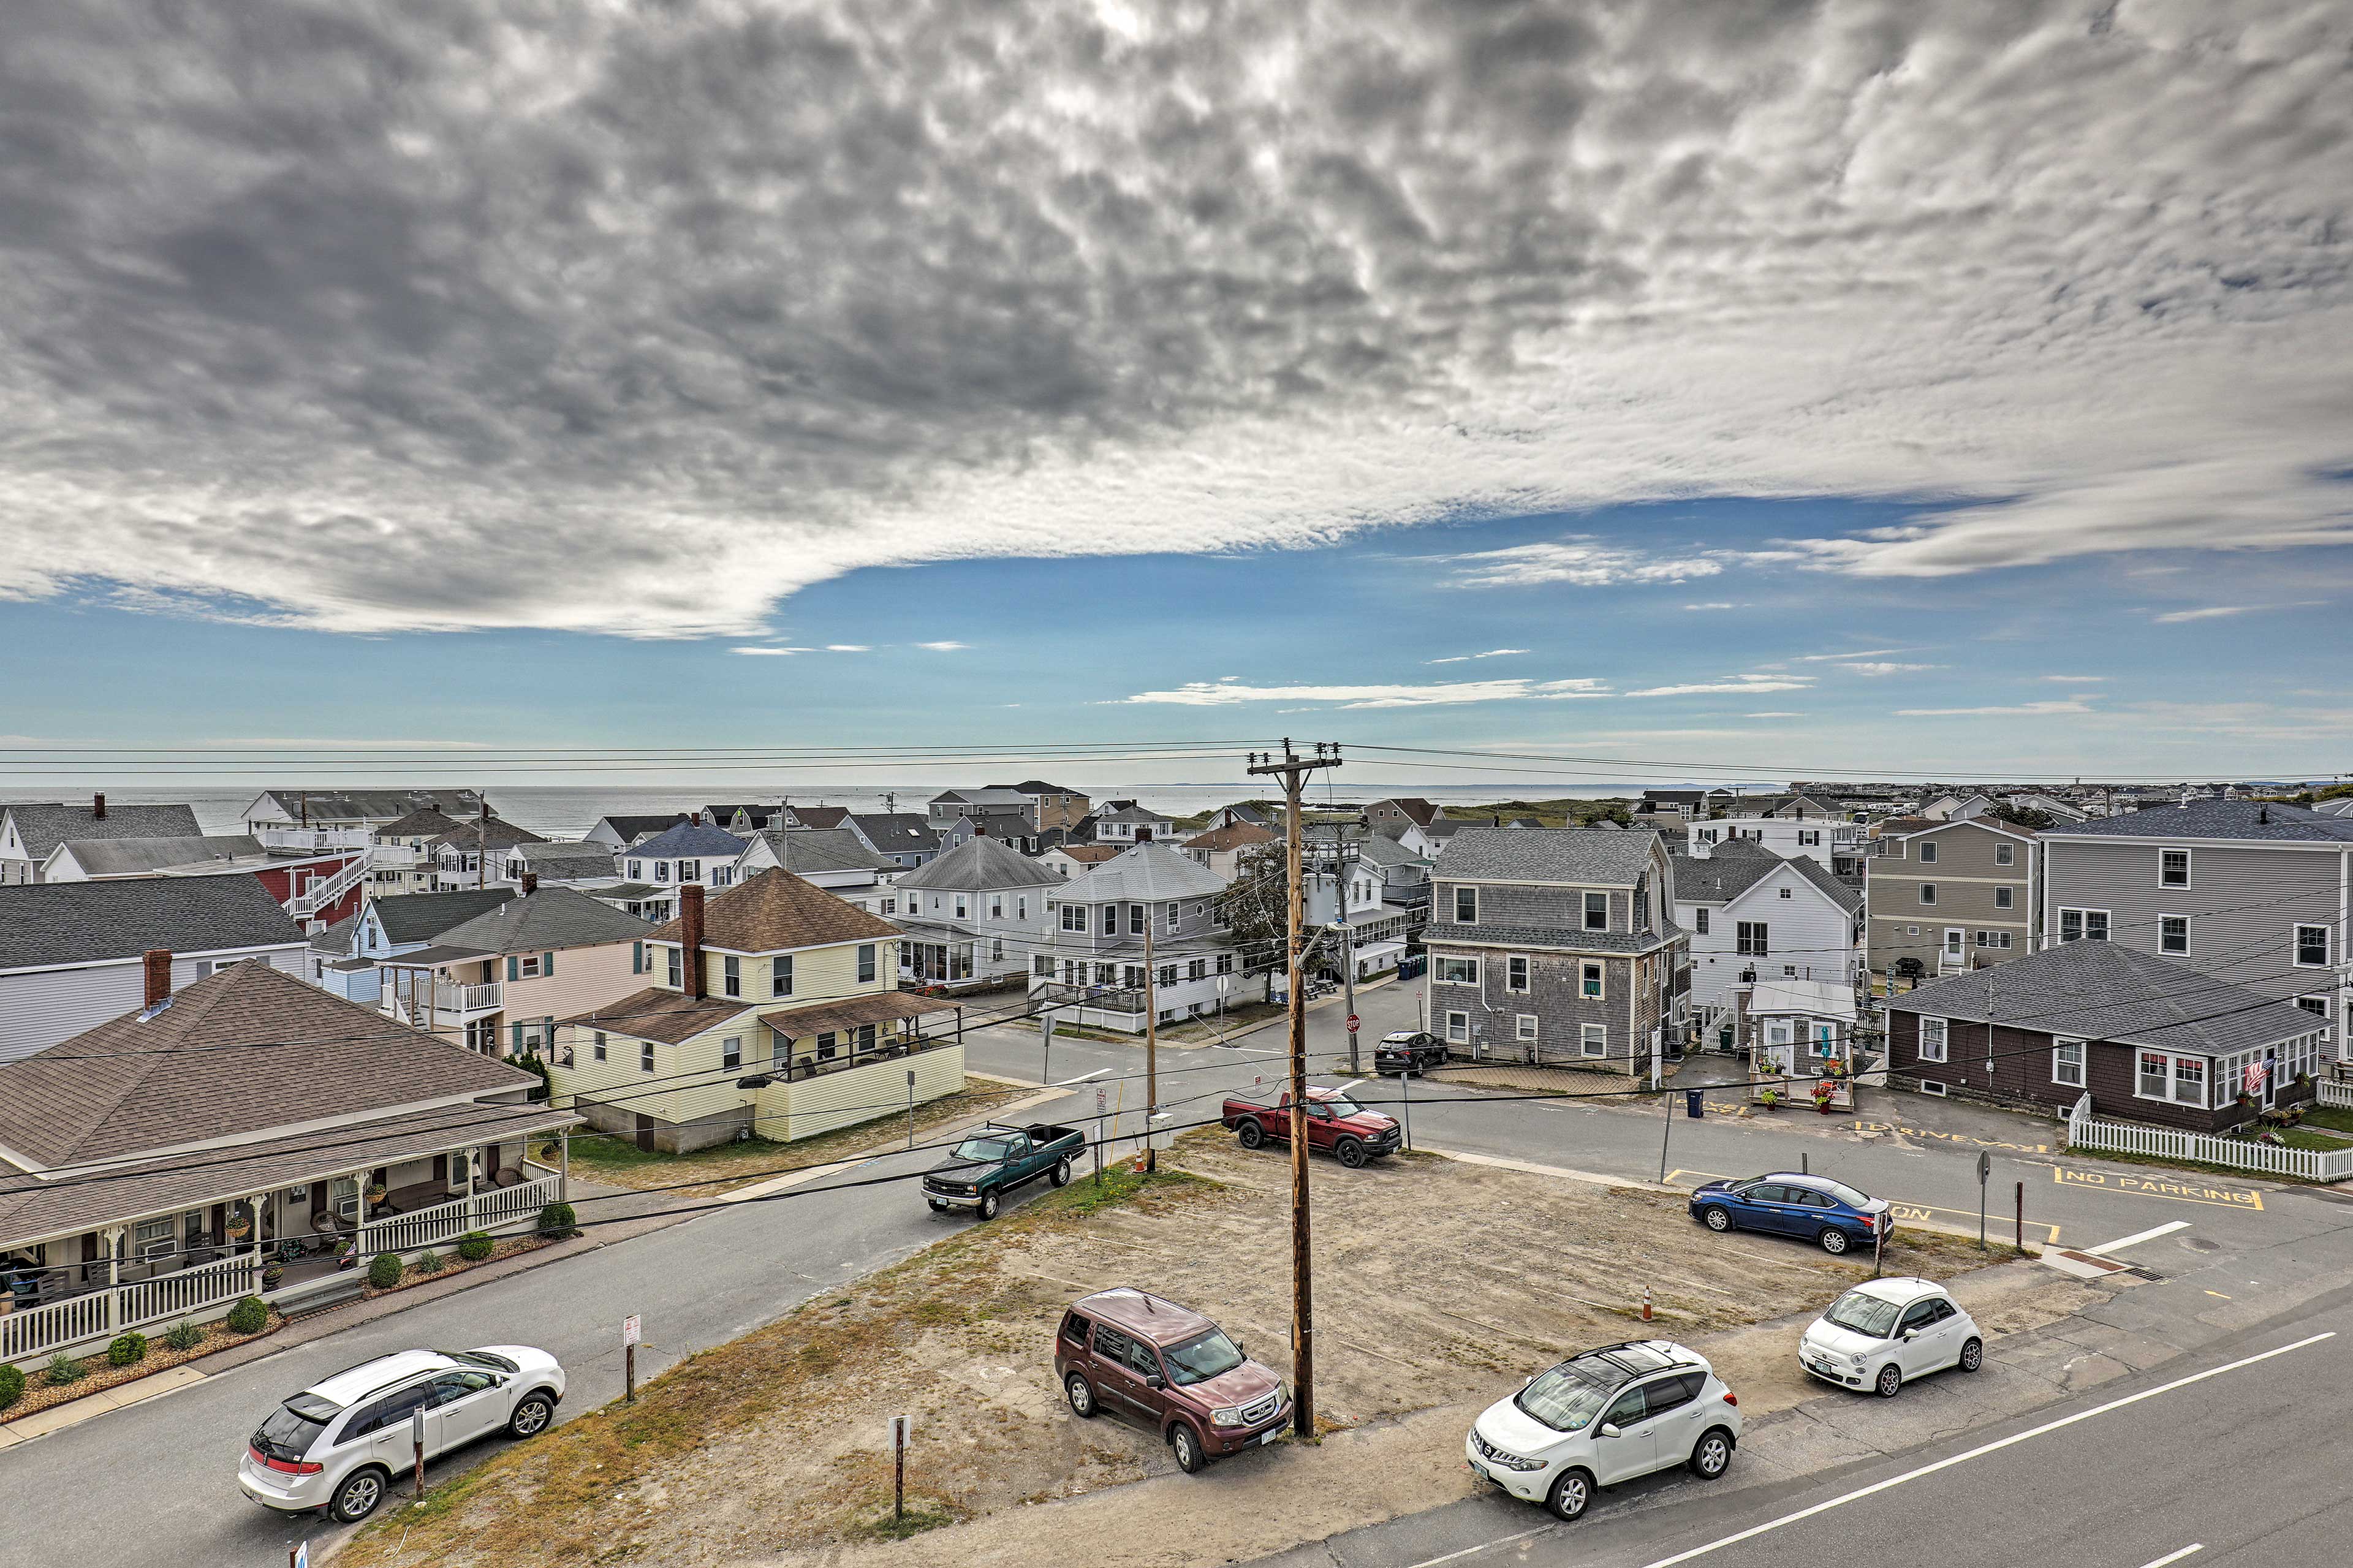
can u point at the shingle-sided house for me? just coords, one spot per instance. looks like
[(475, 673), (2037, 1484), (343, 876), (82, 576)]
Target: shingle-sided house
[(2148, 1038), (1148, 911), (30, 830), (978, 912), (906, 838), (687, 854), (150, 1167), (1754, 917), (1134, 825), (499, 981), (473, 852), (1556, 945)]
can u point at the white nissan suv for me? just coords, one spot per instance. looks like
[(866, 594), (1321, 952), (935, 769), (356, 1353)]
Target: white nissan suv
[(1885, 1332), (1604, 1416), (338, 1444)]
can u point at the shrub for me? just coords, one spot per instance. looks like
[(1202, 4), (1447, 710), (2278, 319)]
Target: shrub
[(429, 1261), (182, 1335), (249, 1316), (64, 1369), (12, 1385), (384, 1270), (557, 1219), (474, 1245), (126, 1350)]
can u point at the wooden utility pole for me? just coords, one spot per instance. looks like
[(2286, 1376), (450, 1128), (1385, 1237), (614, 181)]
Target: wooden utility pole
[(482, 842), (1290, 769), (1151, 1045)]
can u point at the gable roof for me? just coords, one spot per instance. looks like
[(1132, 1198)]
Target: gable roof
[(1040, 786), (895, 832), (43, 825), (1385, 853), (1442, 830), (1572, 855), (539, 921), (571, 854), (1145, 873), (422, 917), (426, 821), (490, 833), (56, 923), (808, 849), (2103, 991), (821, 816), (1133, 813), (1088, 854), (337, 938), (2247, 819), (774, 911), (1718, 878), (989, 794), (245, 1048), (1233, 836), (997, 824), (387, 804), (689, 838), (155, 856), (1422, 812), (981, 864), (631, 827)]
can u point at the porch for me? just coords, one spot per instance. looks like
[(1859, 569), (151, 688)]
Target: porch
[(443, 989)]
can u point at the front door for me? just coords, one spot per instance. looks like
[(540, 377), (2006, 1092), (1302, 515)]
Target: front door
[(645, 1133), (1634, 1450), (1953, 935)]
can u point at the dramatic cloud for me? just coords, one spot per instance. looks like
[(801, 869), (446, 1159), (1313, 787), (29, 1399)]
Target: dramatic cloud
[(1736, 685), (1220, 693), (637, 319), (2027, 710)]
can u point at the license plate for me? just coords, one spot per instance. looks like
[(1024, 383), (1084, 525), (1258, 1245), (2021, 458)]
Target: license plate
[(1483, 1471), (1269, 1434)]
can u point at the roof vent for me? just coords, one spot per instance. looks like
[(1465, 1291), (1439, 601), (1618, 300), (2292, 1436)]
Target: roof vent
[(2265, 815)]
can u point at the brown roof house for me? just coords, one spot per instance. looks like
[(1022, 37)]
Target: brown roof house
[(774, 1011), (241, 1137)]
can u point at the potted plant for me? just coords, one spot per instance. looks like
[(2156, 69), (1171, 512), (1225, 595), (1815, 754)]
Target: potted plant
[(1768, 1098), (240, 1224), (273, 1274), (1824, 1093), (376, 1190)]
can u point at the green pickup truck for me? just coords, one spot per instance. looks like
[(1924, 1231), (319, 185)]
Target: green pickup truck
[(991, 1161)]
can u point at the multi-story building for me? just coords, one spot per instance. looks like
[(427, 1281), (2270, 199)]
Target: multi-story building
[(1149, 911), (1391, 817), (1837, 844), (1221, 850), (1052, 805), (2250, 893), (833, 859), (688, 854), (978, 912), (401, 854), (1556, 945), (473, 854), (946, 806), (31, 830), (499, 981), (1754, 917), (1952, 895)]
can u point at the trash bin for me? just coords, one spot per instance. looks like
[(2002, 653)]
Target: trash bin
[(1694, 1103)]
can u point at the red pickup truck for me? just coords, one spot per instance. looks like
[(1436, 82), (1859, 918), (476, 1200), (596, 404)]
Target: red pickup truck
[(1336, 1123)]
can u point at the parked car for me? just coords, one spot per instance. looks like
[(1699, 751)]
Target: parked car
[(1335, 1122), (1885, 1332), (994, 1161), (1787, 1204), (1408, 1050), (1604, 1416), (337, 1445), (1129, 1353)]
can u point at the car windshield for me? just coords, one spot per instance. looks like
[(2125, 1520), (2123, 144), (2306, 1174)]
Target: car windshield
[(1846, 1194), (1340, 1105), (1202, 1357), (1864, 1315), (1566, 1398), (982, 1149), (289, 1432), (480, 1358)]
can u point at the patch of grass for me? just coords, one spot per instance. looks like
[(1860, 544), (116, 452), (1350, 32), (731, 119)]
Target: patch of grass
[(2115, 1157), (2331, 1116), (920, 1515)]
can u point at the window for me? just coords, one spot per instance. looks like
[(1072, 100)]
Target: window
[(1588, 979), (780, 975), (1225, 963), (731, 1053), (2317, 1004), (1042, 966), (1199, 969), (636, 870), (1788, 972), (963, 907), (1809, 837), (2173, 934), (527, 966), (1927, 853), (1022, 908), (1593, 1040), (1074, 916), (1699, 921), (1928, 894), (1135, 919), (1933, 1039), (1457, 1028), (1174, 911), (1466, 906), (1111, 920), (731, 975), (2067, 1063), (1515, 974), (677, 966), (2161, 1075), (1707, 836), (2005, 898), (1132, 976), (1750, 939), (1785, 892), (996, 906), (1525, 1026), (646, 1056), (2312, 946), (1165, 975), (2005, 854), (1457, 971), (866, 962), (1994, 939), (600, 1045), (2173, 867), (1597, 912), (890, 906), (2083, 925), (661, 870)]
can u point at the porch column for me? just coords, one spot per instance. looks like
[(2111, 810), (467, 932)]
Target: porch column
[(113, 1277), (254, 1205), (564, 1167), (468, 1156)]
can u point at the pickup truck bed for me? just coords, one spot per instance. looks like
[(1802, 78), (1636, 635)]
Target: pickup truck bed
[(989, 1164)]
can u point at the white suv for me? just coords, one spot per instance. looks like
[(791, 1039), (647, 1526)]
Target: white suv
[(1885, 1331), (337, 1445), (1604, 1416)]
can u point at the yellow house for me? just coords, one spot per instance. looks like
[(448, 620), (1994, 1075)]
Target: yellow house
[(775, 1011)]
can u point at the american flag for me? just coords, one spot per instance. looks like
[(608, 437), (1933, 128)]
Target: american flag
[(2252, 1078)]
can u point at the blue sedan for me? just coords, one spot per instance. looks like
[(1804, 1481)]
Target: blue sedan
[(1787, 1204)]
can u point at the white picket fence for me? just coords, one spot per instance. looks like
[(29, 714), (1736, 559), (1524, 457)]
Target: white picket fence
[(2331, 1092), (487, 1210), (102, 1314), (2086, 1132)]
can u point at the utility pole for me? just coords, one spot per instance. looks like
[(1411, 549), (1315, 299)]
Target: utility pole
[(1151, 1045), (1290, 769), (482, 841)]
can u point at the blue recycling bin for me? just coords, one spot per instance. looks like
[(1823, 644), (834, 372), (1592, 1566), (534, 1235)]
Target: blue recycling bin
[(1694, 1103)]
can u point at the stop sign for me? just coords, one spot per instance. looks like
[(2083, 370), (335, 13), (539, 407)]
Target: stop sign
[(1352, 1022)]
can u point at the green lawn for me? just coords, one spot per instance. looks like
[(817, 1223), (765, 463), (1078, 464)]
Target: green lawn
[(2331, 1116)]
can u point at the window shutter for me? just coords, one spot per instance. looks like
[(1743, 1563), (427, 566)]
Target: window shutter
[(637, 958), (514, 967), (518, 1031), (547, 964)]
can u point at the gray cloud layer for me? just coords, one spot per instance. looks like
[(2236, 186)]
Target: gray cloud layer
[(468, 314)]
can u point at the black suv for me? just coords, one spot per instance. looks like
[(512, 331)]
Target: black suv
[(1408, 1050)]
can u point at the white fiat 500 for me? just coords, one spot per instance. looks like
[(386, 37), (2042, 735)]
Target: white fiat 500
[(338, 1444), (1604, 1416), (1885, 1332)]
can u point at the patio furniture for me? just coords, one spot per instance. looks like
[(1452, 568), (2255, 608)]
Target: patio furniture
[(509, 1177)]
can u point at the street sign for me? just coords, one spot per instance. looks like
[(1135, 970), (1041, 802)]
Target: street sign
[(632, 1331), (300, 1558), (1352, 1022), (1985, 1166)]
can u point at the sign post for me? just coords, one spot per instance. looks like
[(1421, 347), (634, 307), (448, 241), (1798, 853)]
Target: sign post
[(416, 1439), (632, 1330), (1985, 1170), (911, 1108), (899, 1426), (298, 1556), (1101, 1097)]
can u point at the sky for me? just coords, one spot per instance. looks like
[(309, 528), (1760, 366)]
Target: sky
[(1841, 387)]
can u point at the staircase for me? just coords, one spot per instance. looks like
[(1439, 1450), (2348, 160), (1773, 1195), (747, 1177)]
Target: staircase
[(318, 895)]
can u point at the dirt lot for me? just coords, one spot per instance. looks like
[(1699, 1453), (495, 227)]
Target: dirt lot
[(1439, 1284)]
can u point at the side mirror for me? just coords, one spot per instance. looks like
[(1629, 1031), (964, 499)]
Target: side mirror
[(1608, 1429), (1154, 1380), (1909, 1335)]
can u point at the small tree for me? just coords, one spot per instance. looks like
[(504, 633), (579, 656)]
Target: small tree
[(249, 1316), (1256, 907), (557, 1220), (183, 1336)]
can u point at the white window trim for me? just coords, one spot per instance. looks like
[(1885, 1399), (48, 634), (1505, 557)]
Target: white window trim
[(1457, 892), (1525, 1026), (1593, 1040), (1601, 973), (1458, 1029), (1943, 1040), (2188, 864), (2083, 1061), (2173, 1078), (2165, 952), (2066, 910), (1527, 973), (2001, 850), (1439, 966), (1927, 895), (2295, 942)]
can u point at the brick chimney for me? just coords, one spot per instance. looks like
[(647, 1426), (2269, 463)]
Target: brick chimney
[(530, 883), (98, 807), (158, 966), (690, 931)]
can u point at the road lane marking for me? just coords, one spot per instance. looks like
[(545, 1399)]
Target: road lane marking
[(2157, 1187), (1089, 1078), (1487, 1545), (1753, 1532), (2136, 1238), (2175, 1556), (1898, 1127)]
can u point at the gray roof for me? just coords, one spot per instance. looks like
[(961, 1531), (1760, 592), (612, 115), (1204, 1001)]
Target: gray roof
[(896, 832), (89, 922), (689, 838), (2341, 807), (1138, 813), (990, 795), (425, 822), (1147, 873), (1375, 850), (2103, 991), (487, 832), (386, 805), (1567, 939), (981, 864), (1570, 856), (1718, 878), (803, 850), (152, 857), (627, 827), (569, 852), (337, 938), (1001, 825), (44, 827), (1844, 894), (2250, 820), (629, 891), (421, 917), (1444, 828), (543, 921), (1040, 786)]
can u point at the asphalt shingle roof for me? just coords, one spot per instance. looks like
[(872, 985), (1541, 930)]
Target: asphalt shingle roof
[(690, 839), (43, 827), (53, 923), (422, 917), (575, 856), (775, 910), (803, 850), (821, 816), (1569, 855), (425, 822), (493, 833), (2248, 819), (550, 918), (1565, 938), (1236, 835), (897, 832), (149, 856), (372, 805), (1146, 873), (980, 865), (628, 828)]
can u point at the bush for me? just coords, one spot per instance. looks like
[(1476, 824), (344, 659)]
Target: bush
[(384, 1270), (474, 1245), (126, 1350), (12, 1385), (249, 1316), (429, 1261), (64, 1369), (182, 1335), (558, 1219)]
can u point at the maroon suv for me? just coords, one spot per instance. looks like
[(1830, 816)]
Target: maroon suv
[(1131, 1353)]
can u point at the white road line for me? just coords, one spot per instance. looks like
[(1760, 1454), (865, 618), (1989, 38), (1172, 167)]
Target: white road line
[(1069, 1081), (2137, 1238), (2175, 1556), (1979, 1452), (1485, 1545)]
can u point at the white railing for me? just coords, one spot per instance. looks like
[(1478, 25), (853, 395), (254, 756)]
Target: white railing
[(102, 1314), (2328, 1091), (2085, 1131), (454, 999), (489, 1209), (176, 1295), (313, 838), (506, 1206), (389, 857), (311, 900), (43, 1328)]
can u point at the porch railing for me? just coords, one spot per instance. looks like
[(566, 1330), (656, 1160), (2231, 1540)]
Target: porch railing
[(102, 1314), (485, 997), (25, 1335), (491, 1208), (317, 895)]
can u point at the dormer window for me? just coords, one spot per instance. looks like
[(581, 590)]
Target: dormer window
[(1466, 906)]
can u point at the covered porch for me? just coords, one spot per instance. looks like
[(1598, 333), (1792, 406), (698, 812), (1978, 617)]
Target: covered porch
[(452, 992)]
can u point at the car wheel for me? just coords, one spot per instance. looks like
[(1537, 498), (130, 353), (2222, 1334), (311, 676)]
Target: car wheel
[(531, 1415), (1890, 1379), (1716, 1219), (1349, 1151), (1972, 1355), (1250, 1135), (1190, 1456), (358, 1496), (1834, 1241), (1713, 1453), (1081, 1397), (988, 1203), (1570, 1496), (1061, 1172)]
